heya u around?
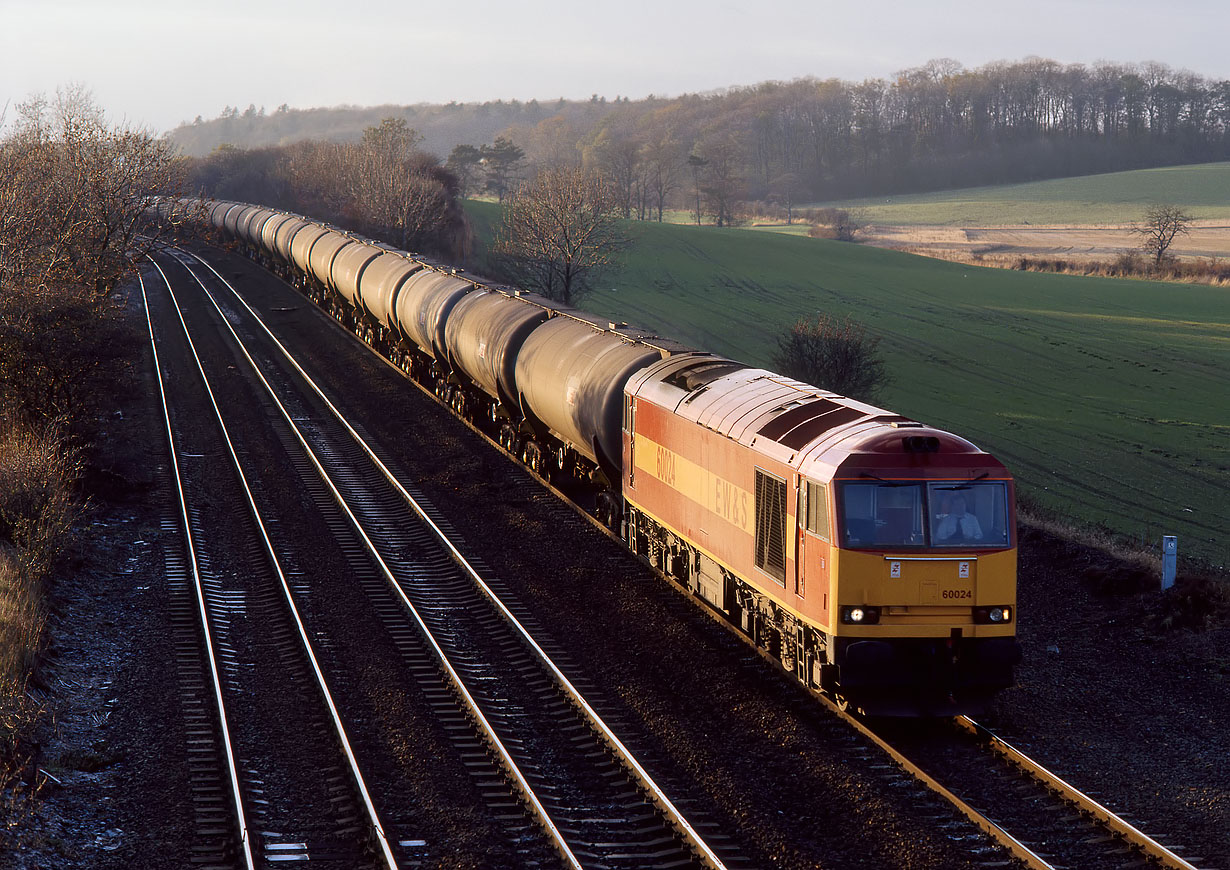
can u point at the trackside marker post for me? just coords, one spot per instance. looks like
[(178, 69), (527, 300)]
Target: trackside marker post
[(1170, 557)]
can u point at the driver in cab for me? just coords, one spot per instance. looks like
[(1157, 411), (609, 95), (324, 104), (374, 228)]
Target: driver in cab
[(958, 524)]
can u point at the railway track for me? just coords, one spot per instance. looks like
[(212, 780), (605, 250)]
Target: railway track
[(272, 715), (1042, 820), (507, 698), (1048, 831)]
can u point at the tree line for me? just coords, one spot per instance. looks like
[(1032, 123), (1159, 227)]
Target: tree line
[(936, 126)]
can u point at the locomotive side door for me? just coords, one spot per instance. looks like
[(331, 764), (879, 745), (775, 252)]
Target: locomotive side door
[(800, 536)]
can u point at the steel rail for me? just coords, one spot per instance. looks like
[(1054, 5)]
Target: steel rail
[(237, 797), (488, 730), (659, 797), (1069, 792), (1018, 849), (385, 847)]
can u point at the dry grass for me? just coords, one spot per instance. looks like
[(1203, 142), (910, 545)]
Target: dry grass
[(1095, 538), (36, 513), (1199, 600)]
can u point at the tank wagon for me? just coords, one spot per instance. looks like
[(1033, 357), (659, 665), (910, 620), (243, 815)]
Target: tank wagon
[(872, 555)]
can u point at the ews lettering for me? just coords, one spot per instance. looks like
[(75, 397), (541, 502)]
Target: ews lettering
[(729, 502)]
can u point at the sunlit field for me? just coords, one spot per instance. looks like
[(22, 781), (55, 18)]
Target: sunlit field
[(1112, 198)]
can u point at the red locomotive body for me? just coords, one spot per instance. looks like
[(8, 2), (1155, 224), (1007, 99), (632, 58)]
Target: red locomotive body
[(821, 525)]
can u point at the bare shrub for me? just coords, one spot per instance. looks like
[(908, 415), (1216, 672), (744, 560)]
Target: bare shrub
[(832, 353), (73, 193), (1195, 602), (36, 475), (36, 516), (58, 344)]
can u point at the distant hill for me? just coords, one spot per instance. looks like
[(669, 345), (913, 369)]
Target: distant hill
[(442, 127), (935, 127)]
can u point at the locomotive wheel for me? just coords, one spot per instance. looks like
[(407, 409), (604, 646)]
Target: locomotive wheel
[(531, 455)]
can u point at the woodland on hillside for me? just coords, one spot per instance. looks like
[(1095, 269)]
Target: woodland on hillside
[(936, 126)]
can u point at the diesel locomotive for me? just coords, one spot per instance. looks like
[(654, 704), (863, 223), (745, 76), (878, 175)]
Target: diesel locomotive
[(872, 555)]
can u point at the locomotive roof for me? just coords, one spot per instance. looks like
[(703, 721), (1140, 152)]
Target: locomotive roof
[(822, 434)]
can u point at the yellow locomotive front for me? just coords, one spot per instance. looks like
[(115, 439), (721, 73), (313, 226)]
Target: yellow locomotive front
[(921, 564)]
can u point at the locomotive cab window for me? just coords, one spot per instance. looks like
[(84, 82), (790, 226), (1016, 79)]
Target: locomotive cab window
[(914, 514), (771, 525), (965, 514)]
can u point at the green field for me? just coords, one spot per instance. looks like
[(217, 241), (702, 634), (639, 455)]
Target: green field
[(1108, 399), (1113, 198)]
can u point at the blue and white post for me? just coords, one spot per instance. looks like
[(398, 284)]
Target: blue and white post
[(1170, 558)]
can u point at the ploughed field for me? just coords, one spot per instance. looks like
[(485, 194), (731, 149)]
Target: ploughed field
[(1106, 398)]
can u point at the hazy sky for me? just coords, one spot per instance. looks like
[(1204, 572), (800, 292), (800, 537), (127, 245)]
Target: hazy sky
[(159, 62)]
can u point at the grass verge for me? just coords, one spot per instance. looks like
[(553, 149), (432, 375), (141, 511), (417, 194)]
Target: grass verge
[(37, 509)]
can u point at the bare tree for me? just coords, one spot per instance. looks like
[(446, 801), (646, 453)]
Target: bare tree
[(834, 354), (664, 162), (74, 193), (615, 152), (559, 233), (786, 190), (721, 182), (1159, 228), (383, 185), (697, 164)]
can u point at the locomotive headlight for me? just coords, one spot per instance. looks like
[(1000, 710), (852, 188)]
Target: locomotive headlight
[(993, 615), (860, 615)]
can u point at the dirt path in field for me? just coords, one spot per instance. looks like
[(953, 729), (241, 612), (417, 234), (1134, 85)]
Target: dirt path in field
[(1207, 239)]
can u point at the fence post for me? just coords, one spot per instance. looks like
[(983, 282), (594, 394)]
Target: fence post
[(1170, 558)]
